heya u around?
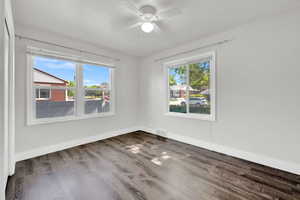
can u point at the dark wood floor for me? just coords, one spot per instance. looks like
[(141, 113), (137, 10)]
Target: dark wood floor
[(145, 167)]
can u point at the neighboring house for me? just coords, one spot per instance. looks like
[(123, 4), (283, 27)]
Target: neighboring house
[(205, 92), (41, 78), (179, 91)]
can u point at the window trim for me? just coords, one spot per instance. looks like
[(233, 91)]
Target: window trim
[(185, 61), (79, 102)]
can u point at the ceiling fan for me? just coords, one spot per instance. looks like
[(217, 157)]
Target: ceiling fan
[(150, 19)]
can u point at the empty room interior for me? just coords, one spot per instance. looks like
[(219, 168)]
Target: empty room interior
[(150, 100)]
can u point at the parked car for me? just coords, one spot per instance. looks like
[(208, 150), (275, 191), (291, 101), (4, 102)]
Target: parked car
[(192, 101), (177, 101), (198, 101)]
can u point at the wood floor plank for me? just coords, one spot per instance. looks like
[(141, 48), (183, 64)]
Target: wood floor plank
[(141, 166)]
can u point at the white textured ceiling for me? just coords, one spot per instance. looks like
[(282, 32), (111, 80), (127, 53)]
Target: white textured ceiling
[(103, 22)]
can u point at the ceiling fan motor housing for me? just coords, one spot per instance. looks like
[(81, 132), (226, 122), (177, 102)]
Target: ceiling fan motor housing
[(149, 13)]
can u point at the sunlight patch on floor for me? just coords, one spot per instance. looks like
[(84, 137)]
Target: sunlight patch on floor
[(159, 160), (134, 148)]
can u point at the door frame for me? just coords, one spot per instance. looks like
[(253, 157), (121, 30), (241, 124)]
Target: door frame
[(6, 59), (8, 22)]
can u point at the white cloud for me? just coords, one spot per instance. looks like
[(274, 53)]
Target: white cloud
[(53, 63), (90, 82)]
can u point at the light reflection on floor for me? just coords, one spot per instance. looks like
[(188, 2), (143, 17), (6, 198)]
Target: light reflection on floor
[(136, 149), (159, 160)]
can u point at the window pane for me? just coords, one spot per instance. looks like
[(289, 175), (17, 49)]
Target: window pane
[(53, 72), (37, 93), (96, 76), (60, 104), (177, 87), (44, 93), (199, 100), (51, 77), (97, 102)]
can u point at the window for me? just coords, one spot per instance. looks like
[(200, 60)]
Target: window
[(62, 89), (191, 87), (42, 94)]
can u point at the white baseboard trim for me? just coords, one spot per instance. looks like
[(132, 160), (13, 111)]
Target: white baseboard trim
[(260, 159), (66, 145)]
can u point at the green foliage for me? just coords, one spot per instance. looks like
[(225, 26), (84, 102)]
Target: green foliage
[(103, 85), (90, 94), (180, 71), (172, 80), (93, 86), (199, 76), (71, 84), (198, 95), (71, 93), (94, 94)]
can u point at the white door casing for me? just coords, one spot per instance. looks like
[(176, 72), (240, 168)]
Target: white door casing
[(6, 100)]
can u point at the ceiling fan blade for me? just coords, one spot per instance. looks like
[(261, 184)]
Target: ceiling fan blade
[(131, 6), (138, 24), (125, 23), (170, 13), (157, 28)]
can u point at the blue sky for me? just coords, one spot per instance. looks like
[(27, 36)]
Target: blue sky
[(93, 75)]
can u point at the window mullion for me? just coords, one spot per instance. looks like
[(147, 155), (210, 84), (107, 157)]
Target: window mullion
[(187, 89), (79, 90), (32, 91), (112, 90)]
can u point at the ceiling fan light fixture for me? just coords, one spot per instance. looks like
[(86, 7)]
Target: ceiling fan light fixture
[(147, 27)]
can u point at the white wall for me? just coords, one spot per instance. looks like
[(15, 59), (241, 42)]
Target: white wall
[(31, 138), (258, 88)]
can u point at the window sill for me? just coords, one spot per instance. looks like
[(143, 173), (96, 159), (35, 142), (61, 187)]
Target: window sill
[(191, 116), (66, 119)]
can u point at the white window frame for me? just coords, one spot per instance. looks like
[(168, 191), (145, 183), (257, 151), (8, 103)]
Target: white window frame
[(79, 89), (186, 61)]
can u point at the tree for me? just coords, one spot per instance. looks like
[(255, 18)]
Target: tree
[(172, 80), (181, 72), (93, 86), (71, 93), (199, 76)]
